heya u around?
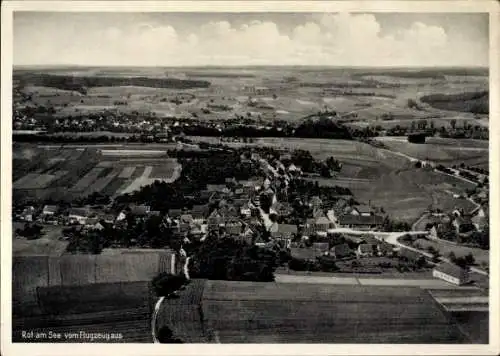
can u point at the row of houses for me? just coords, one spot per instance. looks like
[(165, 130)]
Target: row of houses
[(459, 222)]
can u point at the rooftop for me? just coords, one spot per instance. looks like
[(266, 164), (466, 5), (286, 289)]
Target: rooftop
[(360, 220)]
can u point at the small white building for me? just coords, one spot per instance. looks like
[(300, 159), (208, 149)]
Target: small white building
[(451, 273), (49, 210)]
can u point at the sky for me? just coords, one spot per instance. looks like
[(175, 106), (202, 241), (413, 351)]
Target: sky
[(240, 39)]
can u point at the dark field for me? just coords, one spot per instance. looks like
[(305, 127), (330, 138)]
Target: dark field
[(280, 313), (119, 308)]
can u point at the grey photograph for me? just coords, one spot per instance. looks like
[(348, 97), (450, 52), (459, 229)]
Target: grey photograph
[(250, 177)]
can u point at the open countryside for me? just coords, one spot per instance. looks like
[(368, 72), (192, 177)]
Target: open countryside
[(349, 181)]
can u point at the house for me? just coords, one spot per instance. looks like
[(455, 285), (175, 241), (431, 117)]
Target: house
[(49, 210), (316, 202), (282, 209), (480, 222), (28, 213), (451, 273), (481, 218), (200, 212), (285, 231), (317, 212), (94, 224), (273, 227), (321, 247), (205, 195), (239, 202), (339, 206), (222, 188), (174, 213), (322, 223), (309, 226), (234, 226), (229, 211), (109, 218), (246, 210), (140, 210), (341, 251), (185, 222), (308, 254), (361, 210), (215, 220), (463, 224), (360, 222), (365, 250), (78, 215), (330, 214)]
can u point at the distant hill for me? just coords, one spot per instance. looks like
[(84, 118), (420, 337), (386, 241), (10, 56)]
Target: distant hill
[(474, 102), (82, 83)]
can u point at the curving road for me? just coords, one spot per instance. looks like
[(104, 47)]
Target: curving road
[(393, 237), (159, 302)]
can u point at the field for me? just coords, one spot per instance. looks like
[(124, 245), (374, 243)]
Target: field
[(65, 172), (445, 248), (100, 308), (48, 245), (406, 194), (291, 312), (441, 150), (268, 93)]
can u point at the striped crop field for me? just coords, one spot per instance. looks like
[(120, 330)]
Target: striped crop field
[(139, 182), (34, 181), (127, 172), (87, 179), (102, 182)]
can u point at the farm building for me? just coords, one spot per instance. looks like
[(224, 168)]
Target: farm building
[(451, 273), (360, 222), (290, 312)]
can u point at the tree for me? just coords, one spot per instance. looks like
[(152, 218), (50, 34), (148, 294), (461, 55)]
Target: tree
[(166, 336), (164, 284), (469, 259), (461, 262), (453, 123)]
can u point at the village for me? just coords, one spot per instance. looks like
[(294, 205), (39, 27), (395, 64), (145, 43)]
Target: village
[(322, 229)]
